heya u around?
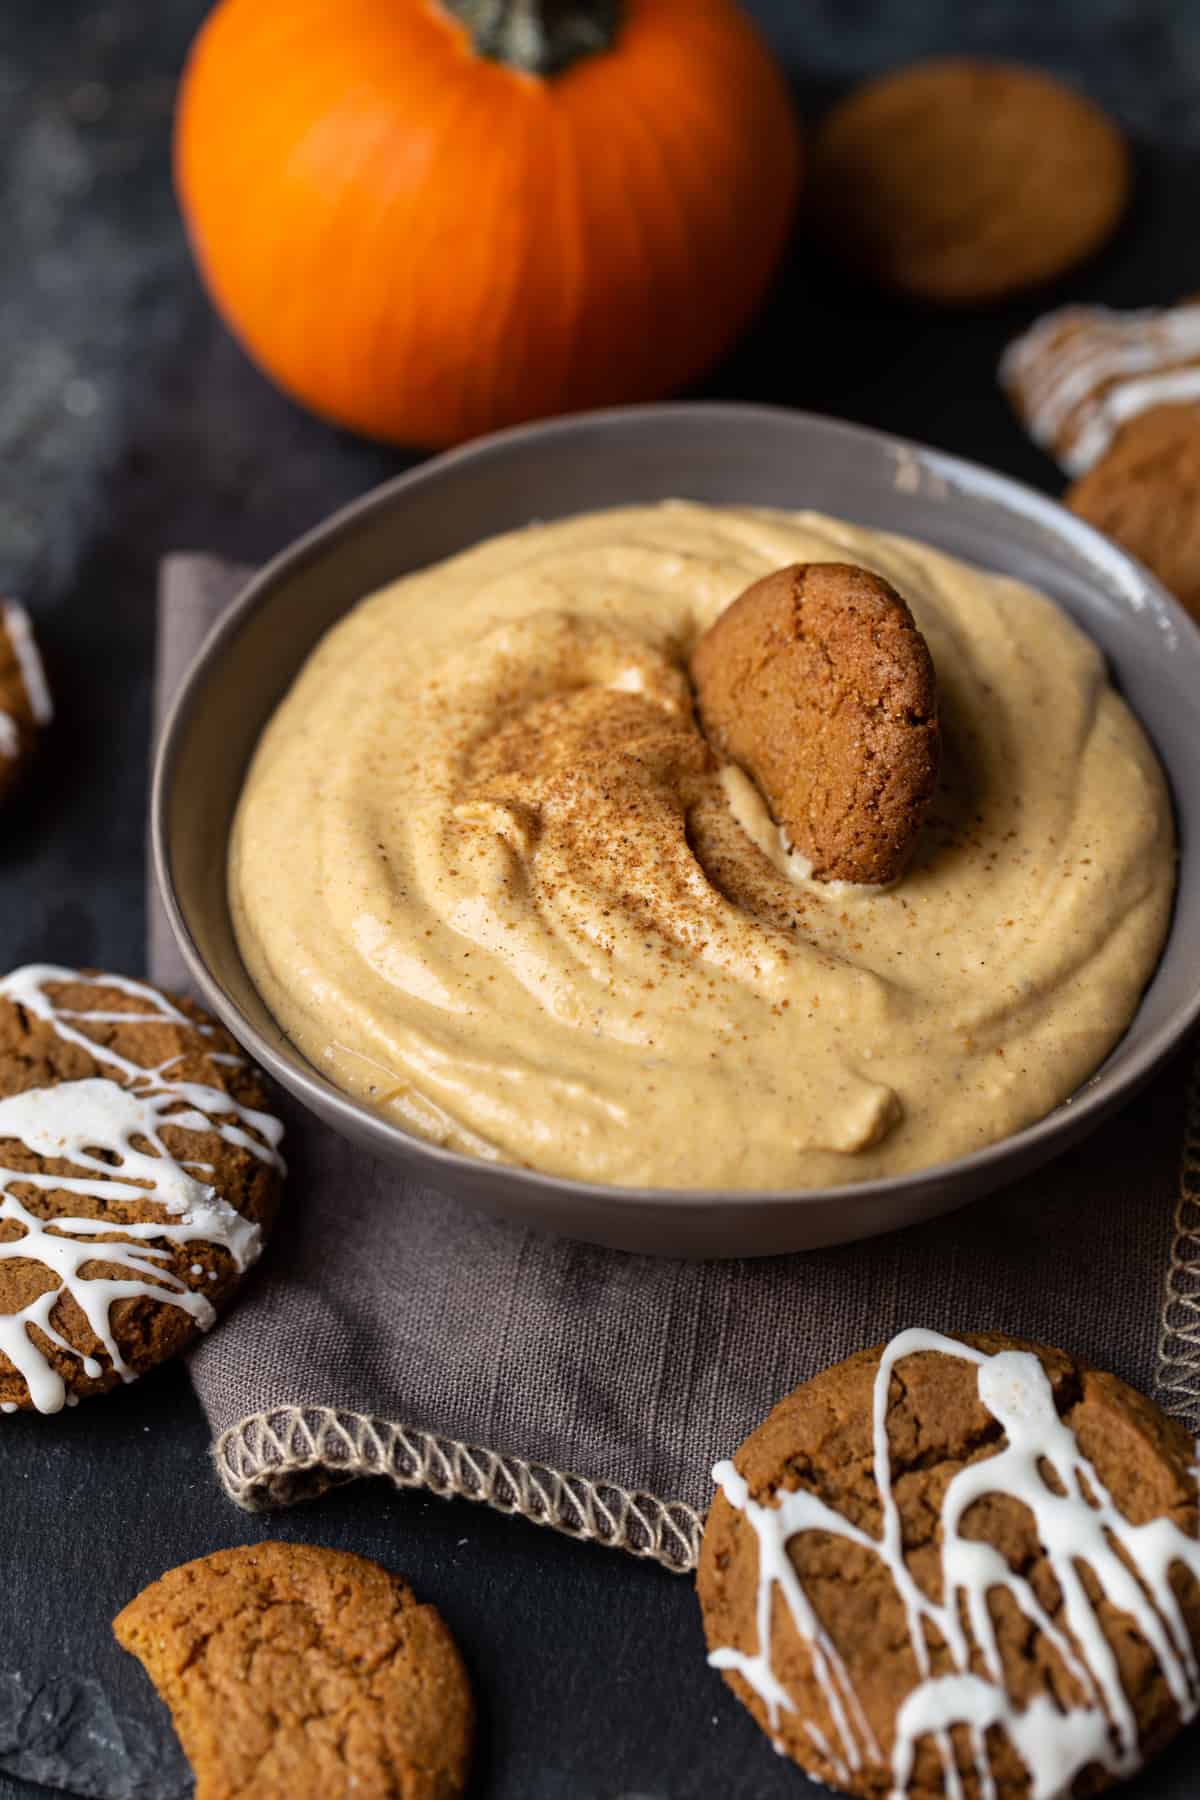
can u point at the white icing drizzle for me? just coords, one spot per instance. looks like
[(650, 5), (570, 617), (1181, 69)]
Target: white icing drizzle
[(98, 1124), (1079, 1525), (29, 661), (1078, 374), (19, 632)]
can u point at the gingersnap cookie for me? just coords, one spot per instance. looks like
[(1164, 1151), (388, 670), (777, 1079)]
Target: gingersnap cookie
[(139, 1176), (298, 1671), (817, 681), (957, 181), (1145, 493), (25, 706), (1079, 374), (959, 1567)]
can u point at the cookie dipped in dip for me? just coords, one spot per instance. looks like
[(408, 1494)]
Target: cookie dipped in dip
[(490, 875)]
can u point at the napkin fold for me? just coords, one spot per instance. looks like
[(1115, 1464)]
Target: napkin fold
[(394, 1331)]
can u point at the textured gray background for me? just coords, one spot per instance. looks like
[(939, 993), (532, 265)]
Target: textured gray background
[(130, 424)]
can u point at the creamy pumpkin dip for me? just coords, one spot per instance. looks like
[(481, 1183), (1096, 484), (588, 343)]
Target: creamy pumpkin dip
[(488, 875)]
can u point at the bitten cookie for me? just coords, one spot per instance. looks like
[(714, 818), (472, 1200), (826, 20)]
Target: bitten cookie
[(959, 1561), (292, 1670), (956, 181), (139, 1175), (817, 681), (25, 706), (1145, 493), (1079, 374)]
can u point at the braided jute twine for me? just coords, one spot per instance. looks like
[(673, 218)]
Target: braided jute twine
[(295, 1452)]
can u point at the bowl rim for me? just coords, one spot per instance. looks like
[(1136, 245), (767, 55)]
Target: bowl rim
[(1097, 1095)]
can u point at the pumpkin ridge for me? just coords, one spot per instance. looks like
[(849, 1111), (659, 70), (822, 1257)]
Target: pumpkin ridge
[(653, 156), (567, 191), (507, 316)]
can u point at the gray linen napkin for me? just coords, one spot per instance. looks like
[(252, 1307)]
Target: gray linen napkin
[(393, 1331)]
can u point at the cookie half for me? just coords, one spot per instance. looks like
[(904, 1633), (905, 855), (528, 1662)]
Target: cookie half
[(959, 181), (25, 704), (1145, 493), (959, 1566), (298, 1671), (818, 683), (139, 1175)]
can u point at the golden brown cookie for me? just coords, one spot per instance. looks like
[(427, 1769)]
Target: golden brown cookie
[(25, 707), (1145, 493), (817, 681), (307, 1673), (139, 1175), (1003, 1587), (957, 181)]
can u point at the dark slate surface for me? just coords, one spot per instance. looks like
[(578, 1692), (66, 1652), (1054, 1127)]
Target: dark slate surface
[(130, 425)]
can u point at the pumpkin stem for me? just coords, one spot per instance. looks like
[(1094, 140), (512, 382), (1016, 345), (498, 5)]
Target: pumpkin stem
[(539, 37)]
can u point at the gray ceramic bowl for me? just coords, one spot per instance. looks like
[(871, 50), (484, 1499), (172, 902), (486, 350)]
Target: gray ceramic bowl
[(700, 452)]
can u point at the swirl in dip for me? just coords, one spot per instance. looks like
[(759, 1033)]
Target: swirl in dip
[(488, 875)]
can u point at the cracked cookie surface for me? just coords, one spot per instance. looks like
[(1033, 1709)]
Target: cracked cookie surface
[(837, 1686), (291, 1669), (818, 683), (139, 1177)]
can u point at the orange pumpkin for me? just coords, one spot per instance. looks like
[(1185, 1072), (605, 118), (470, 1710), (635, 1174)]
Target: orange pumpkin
[(428, 218)]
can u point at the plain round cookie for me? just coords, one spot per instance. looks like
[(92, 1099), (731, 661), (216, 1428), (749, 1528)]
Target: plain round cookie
[(291, 1669), (818, 683), (1145, 493), (816, 1452), (25, 707), (139, 1177), (958, 181)]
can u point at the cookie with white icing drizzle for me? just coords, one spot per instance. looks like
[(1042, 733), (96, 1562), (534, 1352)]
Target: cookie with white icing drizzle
[(1079, 375), (139, 1175), (962, 1568), (25, 705)]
